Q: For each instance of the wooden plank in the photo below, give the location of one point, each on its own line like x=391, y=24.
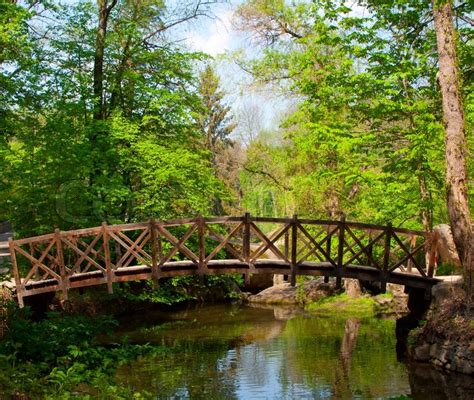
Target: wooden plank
x=317, y=245
x=175, y=242
x=43, y=255
x=294, y=249
x=155, y=269
x=229, y=245
x=273, y=220
x=433, y=253
x=108, y=262
x=136, y=246
x=34, y=260
x=408, y=255
x=386, y=258
x=128, y=227
x=261, y=249
x=16, y=274
x=364, y=249
x=179, y=245
x=223, y=243
x=34, y=239
x=246, y=238
x=214, y=220
x=62, y=268
x=178, y=222
x=263, y=237
x=340, y=253
x=124, y=245
x=201, y=246
x=82, y=232
x=85, y=253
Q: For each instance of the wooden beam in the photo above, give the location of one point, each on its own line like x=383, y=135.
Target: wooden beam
x=294, y=249
x=386, y=258
x=108, y=262
x=64, y=282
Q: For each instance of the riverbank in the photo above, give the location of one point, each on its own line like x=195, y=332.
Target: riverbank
x=318, y=296
x=445, y=337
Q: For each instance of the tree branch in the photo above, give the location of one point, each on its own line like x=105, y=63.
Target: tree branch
x=268, y=175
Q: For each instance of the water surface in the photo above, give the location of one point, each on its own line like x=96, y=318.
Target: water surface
x=243, y=352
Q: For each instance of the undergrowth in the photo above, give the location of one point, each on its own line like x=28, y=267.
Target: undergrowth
x=452, y=320
x=59, y=358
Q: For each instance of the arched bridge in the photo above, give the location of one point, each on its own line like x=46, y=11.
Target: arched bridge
x=250, y=245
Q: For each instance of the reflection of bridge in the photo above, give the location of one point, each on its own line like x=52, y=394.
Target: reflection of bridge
x=157, y=249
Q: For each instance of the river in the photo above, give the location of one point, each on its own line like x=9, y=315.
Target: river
x=244, y=352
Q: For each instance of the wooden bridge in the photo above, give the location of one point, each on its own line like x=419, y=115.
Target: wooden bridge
x=250, y=245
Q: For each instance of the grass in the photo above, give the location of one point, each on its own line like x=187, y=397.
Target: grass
x=342, y=304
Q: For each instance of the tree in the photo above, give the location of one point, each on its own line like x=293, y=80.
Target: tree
x=215, y=119
x=62, y=166
x=455, y=140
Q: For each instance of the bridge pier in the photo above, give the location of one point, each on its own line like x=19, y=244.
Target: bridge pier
x=419, y=301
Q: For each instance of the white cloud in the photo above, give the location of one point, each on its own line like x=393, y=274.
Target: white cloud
x=214, y=39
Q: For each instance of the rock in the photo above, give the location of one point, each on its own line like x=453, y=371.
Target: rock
x=284, y=293
x=259, y=282
x=9, y=284
x=278, y=294
x=352, y=288
x=446, y=247
x=448, y=355
x=317, y=289
x=422, y=353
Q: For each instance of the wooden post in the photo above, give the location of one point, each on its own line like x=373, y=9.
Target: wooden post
x=340, y=252
x=246, y=246
x=155, y=272
x=328, y=250
x=246, y=238
x=108, y=263
x=386, y=258
x=370, y=250
x=159, y=247
x=202, y=246
x=16, y=273
x=294, y=249
x=287, y=244
x=60, y=260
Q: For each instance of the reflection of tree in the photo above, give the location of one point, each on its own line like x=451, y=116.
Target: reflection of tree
x=427, y=382
x=342, y=389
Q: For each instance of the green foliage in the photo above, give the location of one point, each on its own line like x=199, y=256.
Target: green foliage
x=63, y=168
x=183, y=288
x=366, y=138
x=51, y=357
x=343, y=305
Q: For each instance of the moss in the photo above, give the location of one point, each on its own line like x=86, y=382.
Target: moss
x=344, y=305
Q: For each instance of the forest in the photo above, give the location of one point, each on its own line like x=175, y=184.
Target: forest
x=106, y=116
x=109, y=114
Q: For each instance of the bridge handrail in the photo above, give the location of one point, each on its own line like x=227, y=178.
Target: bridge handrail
x=354, y=243
x=185, y=221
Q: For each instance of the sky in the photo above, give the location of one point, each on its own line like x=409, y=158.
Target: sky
x=218, y=37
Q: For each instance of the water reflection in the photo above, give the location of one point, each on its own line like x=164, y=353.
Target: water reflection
x=266, y=353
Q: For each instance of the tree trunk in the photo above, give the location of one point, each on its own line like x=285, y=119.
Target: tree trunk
x=104, y=12
x=99, y=61
x=455, y=139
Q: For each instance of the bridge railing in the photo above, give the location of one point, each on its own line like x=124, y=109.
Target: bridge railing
x=246, y=244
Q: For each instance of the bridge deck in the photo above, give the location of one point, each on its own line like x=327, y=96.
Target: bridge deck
x=103, y=255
